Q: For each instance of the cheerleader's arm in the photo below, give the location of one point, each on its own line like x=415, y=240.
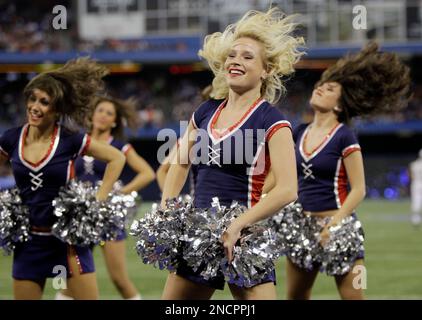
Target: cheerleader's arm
x=179, y=167
x=115, y=162
x=353, y=164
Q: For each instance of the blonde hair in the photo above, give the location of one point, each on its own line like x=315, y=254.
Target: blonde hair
x=273, y=30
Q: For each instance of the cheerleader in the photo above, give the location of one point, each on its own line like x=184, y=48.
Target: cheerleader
x=42, y=153
x=328, y=154
x=108, y=123
x=248, y=60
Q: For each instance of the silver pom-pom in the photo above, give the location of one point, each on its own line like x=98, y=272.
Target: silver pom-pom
x=159, y=233
x=253, y=255
x=344, y=247
x=298, y=236
x=82, y=220
x=204, y=228
x=130, y=202
x=126, y=204
x=253, y=258
x=14, y=220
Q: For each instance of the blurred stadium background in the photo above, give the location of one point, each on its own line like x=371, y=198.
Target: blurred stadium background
x=151, y=49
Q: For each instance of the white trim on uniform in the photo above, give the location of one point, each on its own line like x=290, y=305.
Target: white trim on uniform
x=126, y=148
x=46, y=160
x=193, y=121
x=336, y=176
x=228, y=134
x=69, y=171
x=276, y=124
x=84, y=142
x=322, y=146
x=2, y=151
x=352, y=146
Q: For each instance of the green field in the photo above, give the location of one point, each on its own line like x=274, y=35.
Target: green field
x=393, y=261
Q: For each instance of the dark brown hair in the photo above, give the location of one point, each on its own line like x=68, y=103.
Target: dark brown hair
x=126, y=115
x=72, y=88
x=372, y=82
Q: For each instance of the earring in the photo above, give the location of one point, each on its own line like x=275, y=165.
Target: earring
x=113, y=125
x=336, y=108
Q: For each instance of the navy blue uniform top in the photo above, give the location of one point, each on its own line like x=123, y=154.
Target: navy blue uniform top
x=90, y=169
x=39, y=183
x=233, y=165
x=322, y=177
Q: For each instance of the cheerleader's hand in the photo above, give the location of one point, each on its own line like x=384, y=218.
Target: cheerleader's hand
x=324, y=236
x=325, y=233
x=100, y=196
x=229, y=239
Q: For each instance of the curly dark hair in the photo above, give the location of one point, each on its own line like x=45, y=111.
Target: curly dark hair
x=373, y=82
x=72, y=88
x=126, y=115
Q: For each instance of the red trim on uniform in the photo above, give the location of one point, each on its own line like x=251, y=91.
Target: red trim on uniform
x=276, y=128
x=348, y=151
x=72, y=170
x=320, y=144
x=259, y=179
x=88, y=142
x=342, y=183
x=217, y=134
x=50, y=148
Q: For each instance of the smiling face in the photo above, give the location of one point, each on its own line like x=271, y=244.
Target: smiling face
x=39, y=109
x=104, y=116
x=326, y=96
x=244, y=65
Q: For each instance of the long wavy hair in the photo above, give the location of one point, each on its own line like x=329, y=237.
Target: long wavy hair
x=273, y=29
x=372, y=82
x=72, y=88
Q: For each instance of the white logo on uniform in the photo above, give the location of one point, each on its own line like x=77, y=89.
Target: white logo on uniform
x=88, y=165
x=36, y=181
x=214, y=156
x=307, y=171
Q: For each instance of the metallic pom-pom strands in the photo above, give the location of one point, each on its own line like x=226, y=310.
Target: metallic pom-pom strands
x=82, y=220
x=202, y=247
x=182, y=232
x=131, y=202
x=299, y=234
x=14, y=220
x=254, y=258
x=344, y=246
x=158, y=233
